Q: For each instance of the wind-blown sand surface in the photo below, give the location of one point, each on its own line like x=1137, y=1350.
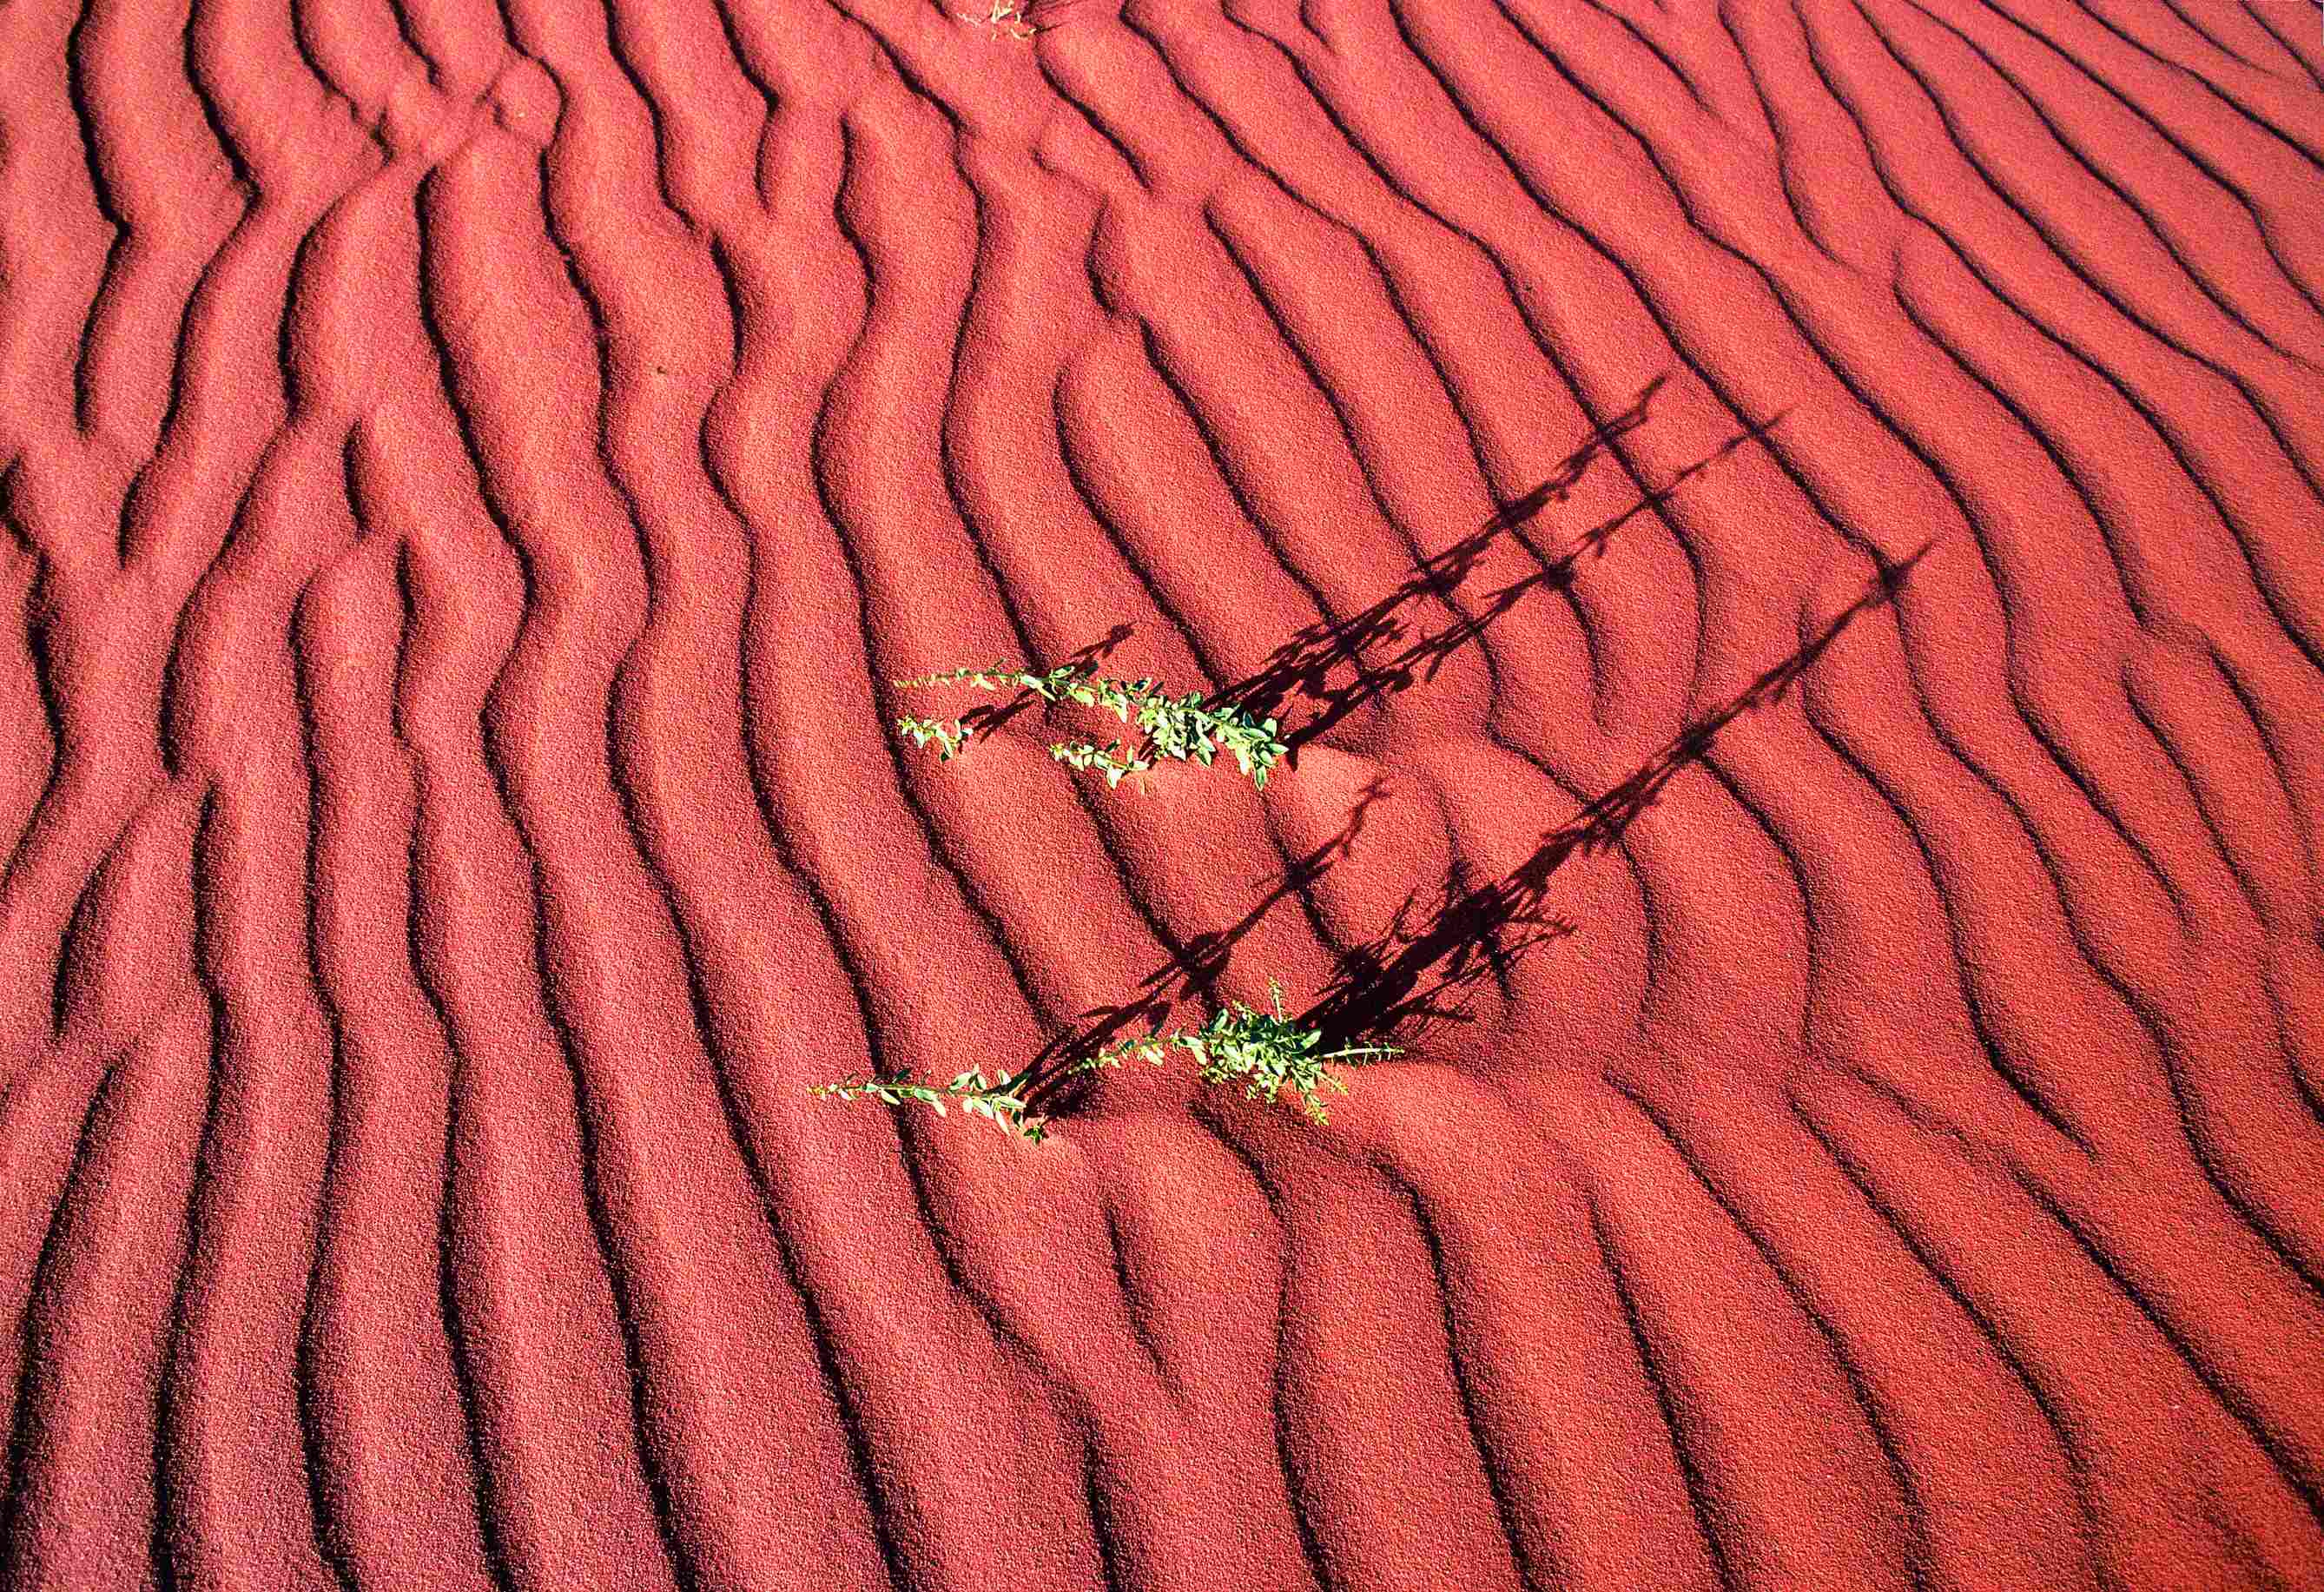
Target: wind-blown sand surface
x=1784, y=536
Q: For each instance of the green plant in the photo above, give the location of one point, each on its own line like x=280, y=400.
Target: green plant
x=1001, y=1100
x=1267, y=1053
x=1189, y=728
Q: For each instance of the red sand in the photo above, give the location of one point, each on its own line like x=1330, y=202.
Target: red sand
x=1843, y=843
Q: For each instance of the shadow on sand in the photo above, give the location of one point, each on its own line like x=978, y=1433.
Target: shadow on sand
x=1422, y=968
x=1304, y=668
x=1425, y=967
x=985, y=717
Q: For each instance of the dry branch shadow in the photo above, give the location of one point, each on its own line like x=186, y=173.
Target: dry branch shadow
x=1303, y=668
x=1045, y=14
x=987, y=716
x=1422, y=968
x=1194, y=971
x=1568, y=474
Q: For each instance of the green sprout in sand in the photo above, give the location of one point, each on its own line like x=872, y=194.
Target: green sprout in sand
x=1012, y=18
x=1265, y=1052
x=1189, y=728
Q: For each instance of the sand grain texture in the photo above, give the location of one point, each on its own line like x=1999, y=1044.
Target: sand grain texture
x=1788, y=539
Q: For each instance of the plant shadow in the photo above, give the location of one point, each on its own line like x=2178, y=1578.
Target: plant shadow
x=1303, y=669
x=1194, y=968
x=985, y=717
x=1424, y=967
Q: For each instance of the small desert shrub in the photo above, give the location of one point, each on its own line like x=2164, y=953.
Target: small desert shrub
x=1012, y=18
x=1003, y=1100
x=1188, y=728
x=1265, y=1052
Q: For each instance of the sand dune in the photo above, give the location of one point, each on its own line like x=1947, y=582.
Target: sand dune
x=1783, y=534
